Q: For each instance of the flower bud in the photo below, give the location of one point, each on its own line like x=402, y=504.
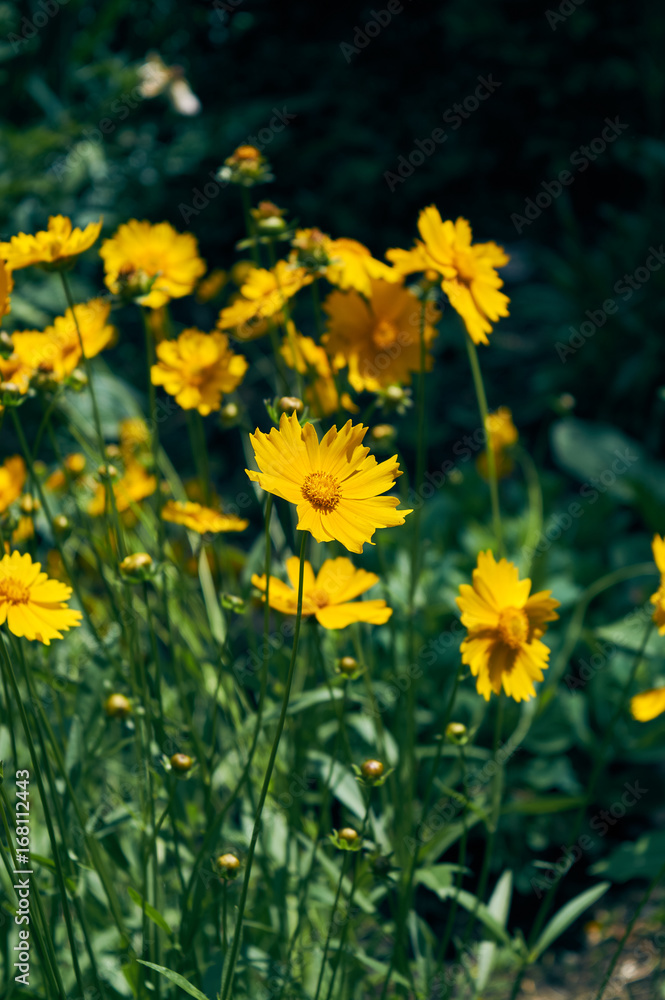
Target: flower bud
x=348, y=665
x=229, y=413
x=113, y=452
x=372, y=769
x=291, y=404
x=181, y=762
x=456, y=732
x=348, y=835
x=61, y=524
x=138, y=567
x=229, y=865
x=107, y=472
x=117, y=706
x=78, y=380
x=231, y=602
x=29, y=504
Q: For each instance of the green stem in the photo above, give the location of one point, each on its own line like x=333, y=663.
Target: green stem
x=491, y=457
x=629, y=929
x=266, y=783
x=326, y=946
x=427, y=801
x=154, y=430
x=547, y=902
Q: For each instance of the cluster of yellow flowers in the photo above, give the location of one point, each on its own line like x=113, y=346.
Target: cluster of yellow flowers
x=375, y=330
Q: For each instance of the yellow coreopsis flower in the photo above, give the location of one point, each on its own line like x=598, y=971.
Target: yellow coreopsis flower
x=203, y=520
x=18, y=370
x=263, y=296
x=505, y=625
x=502, y=434
x=151, y=264
x=34, y=606
x=658, y=599
x=321, y=395
x=335, y=483
x=379, y=339
x=52, y=248
x=135, y=485
x=197, y=369
x=57, y=349
x=467, y=270
x=353, y=267
x=12, y=480
x=648, y=705
x=6, y=285
x=74, y=465
x=329, y=595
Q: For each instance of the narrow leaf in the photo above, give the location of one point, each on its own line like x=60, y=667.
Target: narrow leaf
x=174, y=977
x=566, y=916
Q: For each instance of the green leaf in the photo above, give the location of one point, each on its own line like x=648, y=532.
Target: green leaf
x=498, y=907
x=151, y=912
x=539, y=805
x=174, y=977
x=566, y=916
x=470, y=903
x=438, y=876
x=215, y=616
x=636, y=859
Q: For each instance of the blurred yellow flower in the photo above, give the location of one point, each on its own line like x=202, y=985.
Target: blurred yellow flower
x=134, y=435
x=263, y=295
x=33, y=606
x=303, y=354
x=197, y=369
x=201, y=519
x=352, y=266
x=209, y=287
x=6, y=285
x=52, y=247
x=74, y=464
x=18, y=370
x=658, y=599
x=57, y=350
x=12, y=480
x=502, y=434
x=505, y=626
x=329, y=595
x=379, y=339
x=135, y=485
x=336, y=484
x=151, y=263
x=468, y=271
x=648, y=705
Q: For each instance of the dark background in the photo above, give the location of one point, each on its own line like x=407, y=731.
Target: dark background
x=356, y=114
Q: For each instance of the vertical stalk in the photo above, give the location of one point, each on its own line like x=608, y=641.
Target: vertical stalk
x=228, y=980
x=326, y=946
x=491, y=457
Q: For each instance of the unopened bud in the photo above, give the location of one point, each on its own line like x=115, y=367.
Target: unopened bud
x=107, y=472
x=348, y=834
x=181, y=762
x=29, y=504
x=372, y=769
x=348, y=665
x=291, y=404
x=456, y=732
x=229, y=865
x=117, y=706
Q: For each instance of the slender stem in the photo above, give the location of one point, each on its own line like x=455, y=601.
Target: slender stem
x=410, y=756
x=491, y=457
x=154, y=429
x=354, y=882
x=547, y=902
x=461, y=861
x=326, y=946
x=86, y=363
x=60, y=878
x=494, y=818
x=629, y=929
x=406, y=897
x=266, y=782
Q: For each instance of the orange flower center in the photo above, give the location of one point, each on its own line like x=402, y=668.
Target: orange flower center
x=465, y=264
x=384, y=333
x=14, y=591
x=319, y=597
x=321, y=491
x=513, y=627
